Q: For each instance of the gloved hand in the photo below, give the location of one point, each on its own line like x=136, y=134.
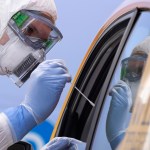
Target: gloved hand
x=46, y=84
x=64, y=143
x=119, y=113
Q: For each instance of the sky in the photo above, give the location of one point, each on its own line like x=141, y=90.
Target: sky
x=79, y=21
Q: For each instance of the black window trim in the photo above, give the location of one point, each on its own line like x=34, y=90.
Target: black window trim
x=132, y=15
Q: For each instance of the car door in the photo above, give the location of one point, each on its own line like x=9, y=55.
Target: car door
x=79, y=117
x=140, y=31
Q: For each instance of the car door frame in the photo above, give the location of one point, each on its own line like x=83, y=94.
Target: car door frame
x=100, y=103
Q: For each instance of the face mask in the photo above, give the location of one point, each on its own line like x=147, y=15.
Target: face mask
x=134, y=89
x=17, y=60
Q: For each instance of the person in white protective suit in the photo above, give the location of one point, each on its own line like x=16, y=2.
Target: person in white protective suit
x=124, y=93
x=27, y=33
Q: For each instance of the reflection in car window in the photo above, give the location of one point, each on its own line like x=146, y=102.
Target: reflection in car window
x=121, y=95
x=137, y=136
x=78, y=115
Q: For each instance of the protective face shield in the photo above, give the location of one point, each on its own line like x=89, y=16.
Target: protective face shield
x=29, y=37
x=131, y=72
x=132, y=67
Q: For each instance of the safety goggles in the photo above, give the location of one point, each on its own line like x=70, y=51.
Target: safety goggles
x=34, y=29
x=132, y=67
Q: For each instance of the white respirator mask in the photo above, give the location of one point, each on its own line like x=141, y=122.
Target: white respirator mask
x=28, y=38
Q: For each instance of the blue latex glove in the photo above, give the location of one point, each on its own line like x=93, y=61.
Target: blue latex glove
x=46, y=84
x=64, y=143
x=119, y=113
x=45, y=92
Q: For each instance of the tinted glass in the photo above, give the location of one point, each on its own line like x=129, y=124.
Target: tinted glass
x=121, y=95
x=78, y=115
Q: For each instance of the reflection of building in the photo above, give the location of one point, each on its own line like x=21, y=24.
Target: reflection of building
x=99, y=71
x=138, y=133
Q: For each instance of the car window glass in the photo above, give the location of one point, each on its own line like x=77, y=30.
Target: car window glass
x=78, y=115
x=137, y=135
x=120, y=96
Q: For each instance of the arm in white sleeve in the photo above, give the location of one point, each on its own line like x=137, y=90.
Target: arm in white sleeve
x=46, y=84
x=6, y=138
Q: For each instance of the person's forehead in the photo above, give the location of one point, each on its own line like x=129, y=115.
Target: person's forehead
x=48, y=16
